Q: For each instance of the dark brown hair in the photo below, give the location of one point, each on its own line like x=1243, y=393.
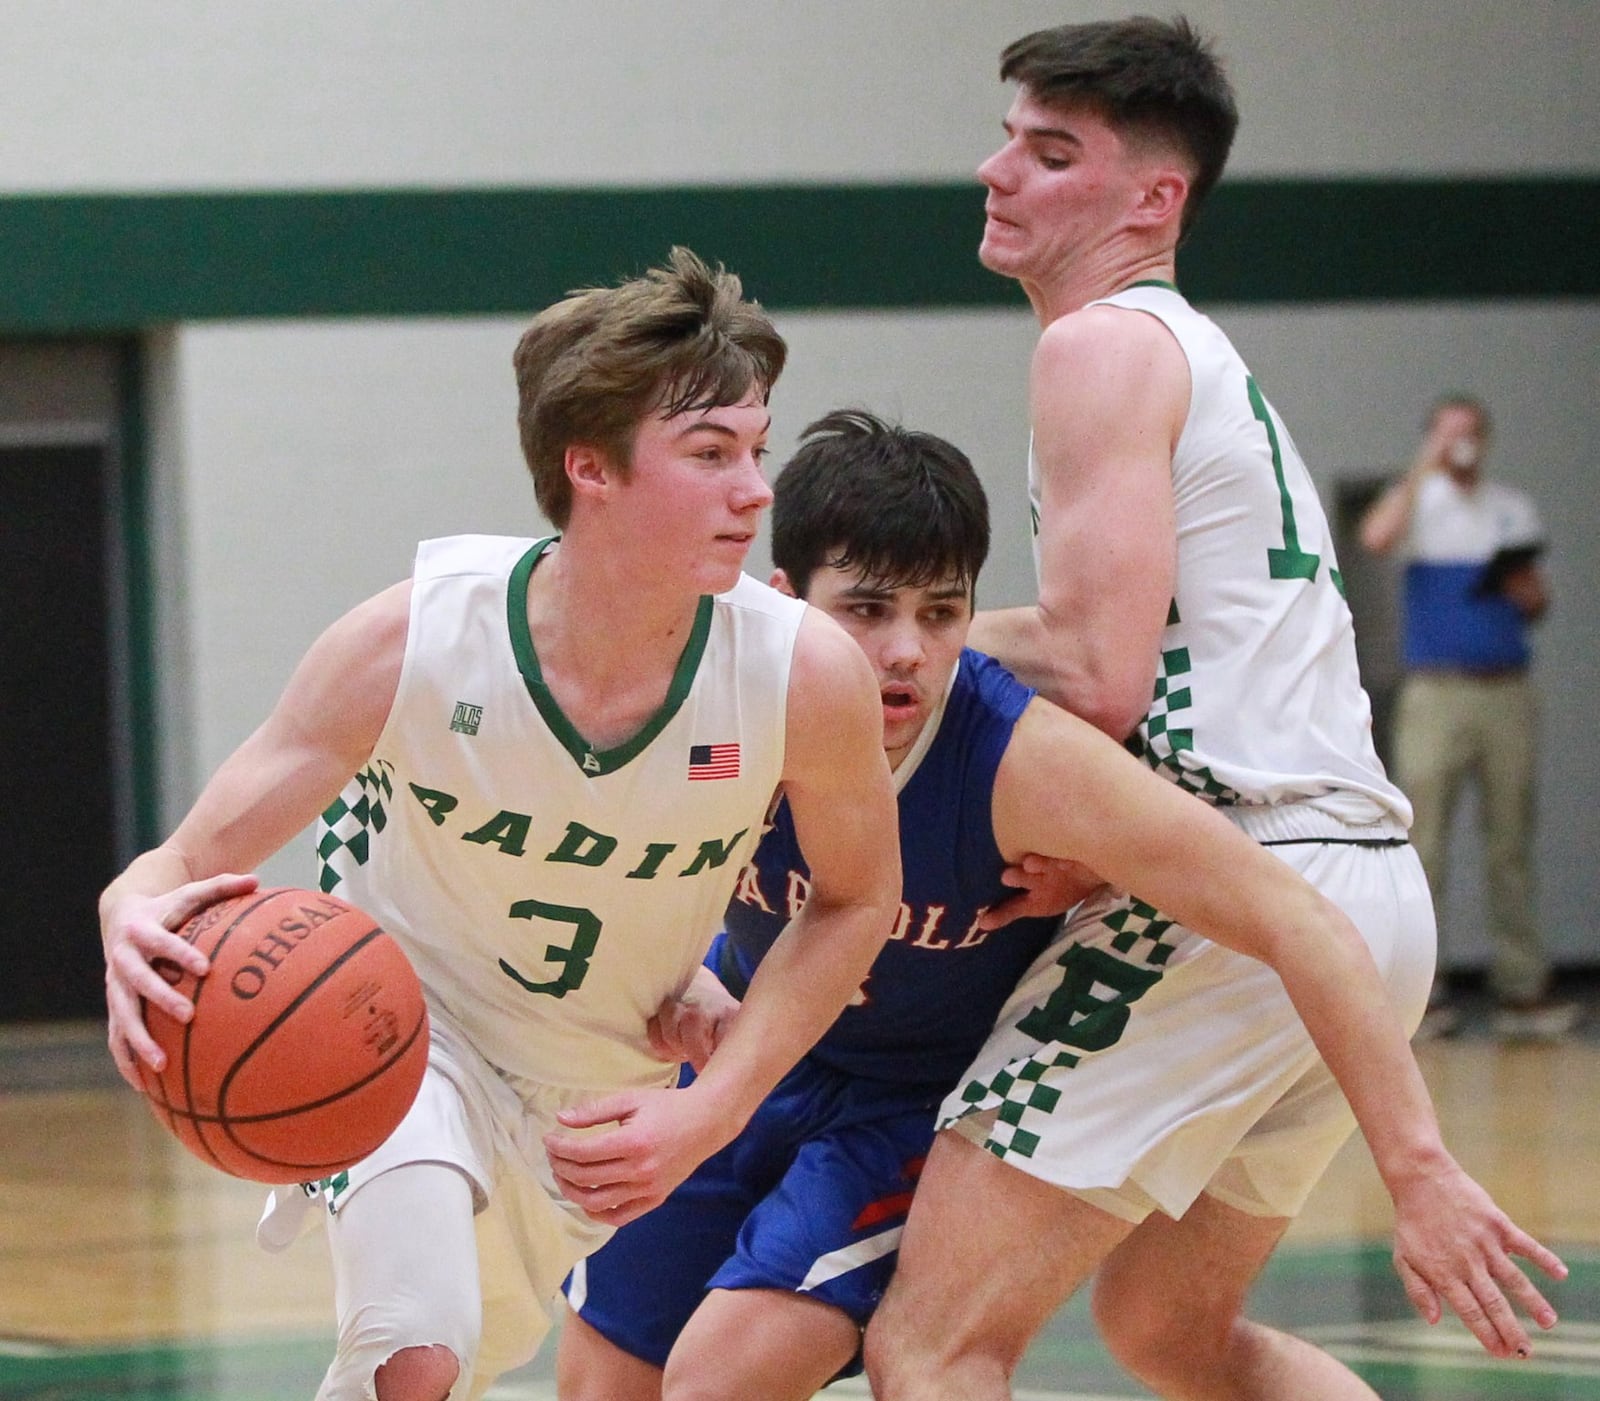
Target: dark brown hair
x=903, y=507
x=1145, y=76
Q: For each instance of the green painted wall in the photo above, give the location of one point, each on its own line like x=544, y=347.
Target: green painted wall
x=98, y=263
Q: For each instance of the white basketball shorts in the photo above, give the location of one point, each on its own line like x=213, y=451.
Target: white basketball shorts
x=1140, y=1064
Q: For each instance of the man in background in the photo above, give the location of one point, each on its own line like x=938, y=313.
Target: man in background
x=1473, y=589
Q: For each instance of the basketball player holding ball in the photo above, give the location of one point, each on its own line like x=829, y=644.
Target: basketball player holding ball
x=564, y=751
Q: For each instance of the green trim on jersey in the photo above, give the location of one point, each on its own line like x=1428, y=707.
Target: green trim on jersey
x=1165, y=745
x=592, y=761
x=1160, y=282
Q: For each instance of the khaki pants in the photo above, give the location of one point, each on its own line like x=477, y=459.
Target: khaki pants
x=1449, y=726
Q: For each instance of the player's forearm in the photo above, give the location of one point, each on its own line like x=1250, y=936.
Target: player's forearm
x=1088, y=671
x=1017, y=637
x=1336, y=988
x=151, y=873
x=1256, y=905
x=811, y=971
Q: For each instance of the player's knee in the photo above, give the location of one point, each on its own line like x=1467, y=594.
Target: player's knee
x=1131, y=1323
x=1128, y=1327
x=1145, y=1330
x=423, y=1373
x=887, y=1355
x=590, y=1367
x=385, y=1354
x=906, y=1363
x=685, y=1383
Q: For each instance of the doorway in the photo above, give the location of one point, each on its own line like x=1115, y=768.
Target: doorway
x=1371, y=590
x=66, y=658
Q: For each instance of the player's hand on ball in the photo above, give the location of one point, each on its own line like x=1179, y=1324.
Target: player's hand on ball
x=307, y=1043
x=138, y=935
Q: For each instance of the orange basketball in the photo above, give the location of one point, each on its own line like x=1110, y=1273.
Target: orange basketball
x=308, y=1041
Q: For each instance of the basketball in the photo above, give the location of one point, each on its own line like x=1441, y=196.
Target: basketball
x=308, y=1041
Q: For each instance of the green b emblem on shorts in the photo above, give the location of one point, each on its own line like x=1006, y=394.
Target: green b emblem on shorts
x=1087, y=1012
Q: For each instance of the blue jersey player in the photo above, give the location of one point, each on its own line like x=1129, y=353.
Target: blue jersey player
x=804, y=1209
x=756, y=1276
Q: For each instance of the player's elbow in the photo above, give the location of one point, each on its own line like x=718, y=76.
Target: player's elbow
x=866, y=893
x=1116, y=716
x=879, y=907
x=1302, y=917
x=882, y=907
x=1114, y=707
x=1110, y=714
x=1107, y=681
x=1375, y=538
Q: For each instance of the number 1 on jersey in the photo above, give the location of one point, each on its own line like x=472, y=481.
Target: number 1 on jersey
x=1291, y=562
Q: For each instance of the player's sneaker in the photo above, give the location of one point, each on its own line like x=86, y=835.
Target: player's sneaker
x=1541, y=1019
x=1443, y=1018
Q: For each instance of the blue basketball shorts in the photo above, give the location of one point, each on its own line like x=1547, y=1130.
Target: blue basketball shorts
x=811, y=1196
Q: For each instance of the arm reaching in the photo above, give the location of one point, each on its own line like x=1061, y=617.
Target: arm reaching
x=1045, y=885
x=1145, y=835
x=320, y=732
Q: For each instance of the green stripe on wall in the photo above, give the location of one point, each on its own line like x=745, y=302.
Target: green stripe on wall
x=97, y=263
x=1352, y=240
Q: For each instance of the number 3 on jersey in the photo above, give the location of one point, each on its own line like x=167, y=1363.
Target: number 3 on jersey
x=574, y=961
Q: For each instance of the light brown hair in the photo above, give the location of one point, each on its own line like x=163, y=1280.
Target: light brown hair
x=594, y=365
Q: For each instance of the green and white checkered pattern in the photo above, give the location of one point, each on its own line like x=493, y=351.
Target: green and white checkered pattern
x=1141, y=931
x=346, y=828
x=1163, y=738
x=1085, y=1012
x=1017, y=1089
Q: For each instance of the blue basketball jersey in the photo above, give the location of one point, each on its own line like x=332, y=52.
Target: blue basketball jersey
x=813, y=1193
x=934, y=991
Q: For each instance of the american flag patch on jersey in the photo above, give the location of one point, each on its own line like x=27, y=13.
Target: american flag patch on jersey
x=713, y=761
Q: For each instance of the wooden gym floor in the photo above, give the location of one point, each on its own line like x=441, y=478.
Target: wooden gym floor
x=128, y=1270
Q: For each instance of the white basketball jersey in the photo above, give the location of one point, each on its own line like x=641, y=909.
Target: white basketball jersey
x=551, y=895
x=1258, y=698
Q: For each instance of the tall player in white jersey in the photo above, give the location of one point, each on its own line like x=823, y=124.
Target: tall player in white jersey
x=573, y=744
x=1152, y=1108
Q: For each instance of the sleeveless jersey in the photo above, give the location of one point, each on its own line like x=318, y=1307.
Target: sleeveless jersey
x=549, y=895
x=933, y=993
x=1258, y=698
